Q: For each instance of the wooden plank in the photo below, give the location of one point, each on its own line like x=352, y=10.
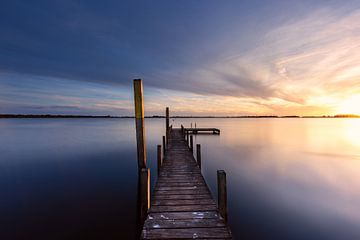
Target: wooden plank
x=182, y=192
x=173, y=202
x=184, y=215
x=177, y=188
x=185, y=223
x=180, y=184
x=183, y=208
x=187, y=233
x=175, y=196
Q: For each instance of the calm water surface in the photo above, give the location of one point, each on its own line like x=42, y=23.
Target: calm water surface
x=77, y=178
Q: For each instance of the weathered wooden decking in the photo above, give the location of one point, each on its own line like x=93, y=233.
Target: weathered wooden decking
x=181, y=205
x=202, y=130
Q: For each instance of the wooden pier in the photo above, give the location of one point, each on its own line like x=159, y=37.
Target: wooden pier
x=181, y=205
x=202, y=130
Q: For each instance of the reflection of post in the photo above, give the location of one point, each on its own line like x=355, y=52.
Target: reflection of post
x=222, y=194
x=140, y=125
x=144, y=193
x=167, y=125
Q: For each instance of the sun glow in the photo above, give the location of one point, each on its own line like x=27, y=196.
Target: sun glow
x=352, y=131
x=350, y=106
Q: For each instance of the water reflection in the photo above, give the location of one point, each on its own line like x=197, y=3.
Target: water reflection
x=288, y=178
x=77, y=178
x=69, y=178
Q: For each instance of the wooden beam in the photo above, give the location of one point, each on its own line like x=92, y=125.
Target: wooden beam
x=159, y=162
x=140, y=123
x=167, y=125
x=191, y=144
x=164, y=145
x=222, y=194
x=198, y=155
x=144, y=193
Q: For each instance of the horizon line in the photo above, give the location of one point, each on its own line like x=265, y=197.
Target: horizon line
x=175, y=116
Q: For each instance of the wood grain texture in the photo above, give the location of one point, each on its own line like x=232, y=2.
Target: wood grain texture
x=182, y=206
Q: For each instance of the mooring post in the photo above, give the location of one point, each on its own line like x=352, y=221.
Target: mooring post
x=187, y=138
x=167, y=125
x=191, y=144
x=164, y=145
x=198, y=155
x=144, y=192
x=140, y=124
x=159, y=162
x=222, y=194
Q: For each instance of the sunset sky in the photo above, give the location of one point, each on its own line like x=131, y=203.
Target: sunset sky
x=198, y=57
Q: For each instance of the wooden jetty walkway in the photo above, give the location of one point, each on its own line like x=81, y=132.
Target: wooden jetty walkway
x=202, y=130
x=181, y=205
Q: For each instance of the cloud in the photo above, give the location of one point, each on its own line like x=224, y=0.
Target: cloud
x=304, y=64
x=297, y=62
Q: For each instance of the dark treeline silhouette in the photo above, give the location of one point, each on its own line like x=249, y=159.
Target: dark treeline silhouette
x=50, y=116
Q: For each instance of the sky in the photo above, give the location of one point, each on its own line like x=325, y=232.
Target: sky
x=198, y=57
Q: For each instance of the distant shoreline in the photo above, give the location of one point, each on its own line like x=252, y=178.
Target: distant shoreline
x=156, y=116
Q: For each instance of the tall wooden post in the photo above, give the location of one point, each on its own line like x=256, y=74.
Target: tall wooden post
x=191, y=144
x=144, y=193
x=222, y=194
x=164, y=145
x=140, y=124
x=159, y=162
x=198, y=155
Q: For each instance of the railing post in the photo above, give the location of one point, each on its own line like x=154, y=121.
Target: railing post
x=167, y=125
x=222, y=194
x=198, y=155
x=159, y=162
x=144, y=193
x=187, y=138
x=140, y=124
x=191, y=144
x=164, y=145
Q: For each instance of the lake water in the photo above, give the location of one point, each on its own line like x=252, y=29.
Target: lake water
x=77, y=178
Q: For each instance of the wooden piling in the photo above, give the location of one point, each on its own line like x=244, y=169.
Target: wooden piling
x=198, y=155
x=144, y=192
x=159, y=162
x=164, y=144
x=191, y=144
x=187, y=138
x=140, y=123
x=167, y=124
x=222, y=194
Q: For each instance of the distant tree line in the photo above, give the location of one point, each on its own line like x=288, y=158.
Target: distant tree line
x=159, y=116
